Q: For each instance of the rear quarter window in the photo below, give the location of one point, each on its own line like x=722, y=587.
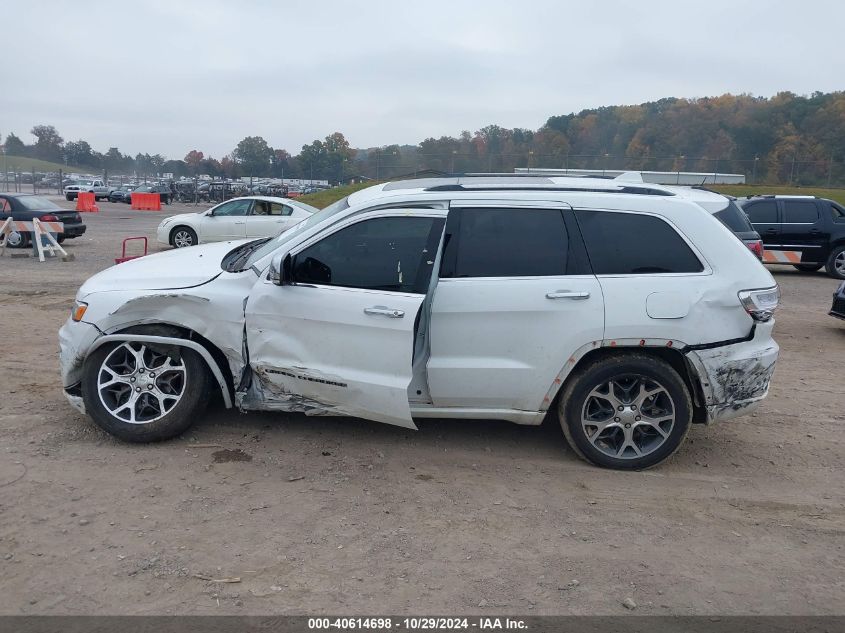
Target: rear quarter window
x=734, y=218
x=634, y=244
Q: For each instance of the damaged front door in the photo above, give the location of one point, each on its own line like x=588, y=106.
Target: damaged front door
x=338, y=336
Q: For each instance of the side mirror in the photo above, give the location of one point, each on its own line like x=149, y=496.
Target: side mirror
x=281, y=271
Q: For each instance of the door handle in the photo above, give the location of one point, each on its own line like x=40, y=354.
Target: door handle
x=384, y=311
x=771, y=231
x=567, y=294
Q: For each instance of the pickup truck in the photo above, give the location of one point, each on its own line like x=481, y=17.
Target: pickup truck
x=95, y=186
x=803, y=231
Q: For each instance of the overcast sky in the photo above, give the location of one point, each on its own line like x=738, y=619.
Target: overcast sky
x=168, y=76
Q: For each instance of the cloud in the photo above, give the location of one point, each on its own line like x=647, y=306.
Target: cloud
x=163, y=76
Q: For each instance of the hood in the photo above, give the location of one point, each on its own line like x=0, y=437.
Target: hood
x=181, y=217
x=178, y=268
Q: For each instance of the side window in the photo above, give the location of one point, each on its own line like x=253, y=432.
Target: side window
x=507, y=242
x=4, y=206
x=260, y=207
x=763, y=212
x=394, y=254
x=800, y=212
x=634, y=244
x=277, y=208
x=837, y=212
x=235, y=207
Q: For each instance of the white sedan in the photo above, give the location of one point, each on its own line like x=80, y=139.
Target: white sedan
x=248, y=217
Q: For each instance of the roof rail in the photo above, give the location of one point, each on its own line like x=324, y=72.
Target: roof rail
x=644, y=191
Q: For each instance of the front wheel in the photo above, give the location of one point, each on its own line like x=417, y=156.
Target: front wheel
x=628, y=412
x=144, y=393
x=836, y=263
x=68, y=197
x=182, y=237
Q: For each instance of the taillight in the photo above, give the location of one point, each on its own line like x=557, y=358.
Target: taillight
x=760, y=304
x=48, y=218
x=756, y=247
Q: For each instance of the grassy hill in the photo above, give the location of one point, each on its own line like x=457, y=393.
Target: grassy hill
x=23, y=164
x=322, y=199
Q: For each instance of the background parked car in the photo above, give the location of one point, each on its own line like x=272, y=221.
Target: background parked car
x=95, y=186
x=838, y=308
x=23, y=206
x=162, y=190
x=250, y=217
x=122, y=194
x=803, y=231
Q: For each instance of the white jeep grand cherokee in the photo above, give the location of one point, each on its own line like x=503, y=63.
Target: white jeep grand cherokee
x=626, y=310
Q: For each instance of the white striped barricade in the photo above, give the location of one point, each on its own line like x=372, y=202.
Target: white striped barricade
x=41, y=232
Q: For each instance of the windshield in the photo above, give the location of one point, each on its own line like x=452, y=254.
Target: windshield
x=84, y=183
x=34, y=203
x=286, y=236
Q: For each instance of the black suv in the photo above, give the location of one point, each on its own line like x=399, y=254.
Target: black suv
x=804, y=231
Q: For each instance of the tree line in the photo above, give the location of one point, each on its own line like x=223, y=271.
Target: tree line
x=785, y=138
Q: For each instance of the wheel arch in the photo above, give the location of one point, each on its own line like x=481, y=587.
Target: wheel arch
x=213, y=357
x=666, y=350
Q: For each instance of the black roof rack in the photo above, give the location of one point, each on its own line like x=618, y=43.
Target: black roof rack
x=644, y=191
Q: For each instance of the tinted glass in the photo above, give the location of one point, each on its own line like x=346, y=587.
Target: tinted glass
x=734, y=218
x=394, y=254
x=630, y=243
x=37, y=203
x=800, y=212
x=235, y=207
x=763, y=212
x=510, y=243
x=837, y=212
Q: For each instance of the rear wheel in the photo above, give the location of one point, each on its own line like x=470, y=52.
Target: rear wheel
x=627, y=412
x=183, y=236
x=17, y=240
x=836, y=263
x=144, y=393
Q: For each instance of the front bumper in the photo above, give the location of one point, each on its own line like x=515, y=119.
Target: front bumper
x=735, y=378
x=75, y=339
x=838, y=308
x=163, y=234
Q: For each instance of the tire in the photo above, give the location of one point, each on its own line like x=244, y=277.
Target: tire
x=182, y=391
x=60, y=238
x=183, y=236
x=835, y=265
x=808, y=268
x=17, y=240
x=68, y=197
x=626, y=443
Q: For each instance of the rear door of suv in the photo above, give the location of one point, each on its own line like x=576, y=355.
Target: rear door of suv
x=766, y=219
x=804, y=233
x=515, y=299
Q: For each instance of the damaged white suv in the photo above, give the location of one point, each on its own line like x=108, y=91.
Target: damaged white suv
x=625, y=309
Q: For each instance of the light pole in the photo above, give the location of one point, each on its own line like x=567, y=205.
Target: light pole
x=530, y=155
x=754, y=176
x=452, y=170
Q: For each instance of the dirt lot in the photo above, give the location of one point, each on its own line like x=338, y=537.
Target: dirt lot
x=346, y=516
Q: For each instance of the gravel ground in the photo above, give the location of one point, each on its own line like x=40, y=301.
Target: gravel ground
x=277, y=513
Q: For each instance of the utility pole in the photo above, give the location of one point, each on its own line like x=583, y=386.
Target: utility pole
x=754, y=176
x=829, y=170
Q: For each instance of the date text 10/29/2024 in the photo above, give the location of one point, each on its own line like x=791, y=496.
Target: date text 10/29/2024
x=417, y=624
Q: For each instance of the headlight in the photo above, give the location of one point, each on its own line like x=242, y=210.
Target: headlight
x=79, y=308
x=165, y=221
x=760, y=304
